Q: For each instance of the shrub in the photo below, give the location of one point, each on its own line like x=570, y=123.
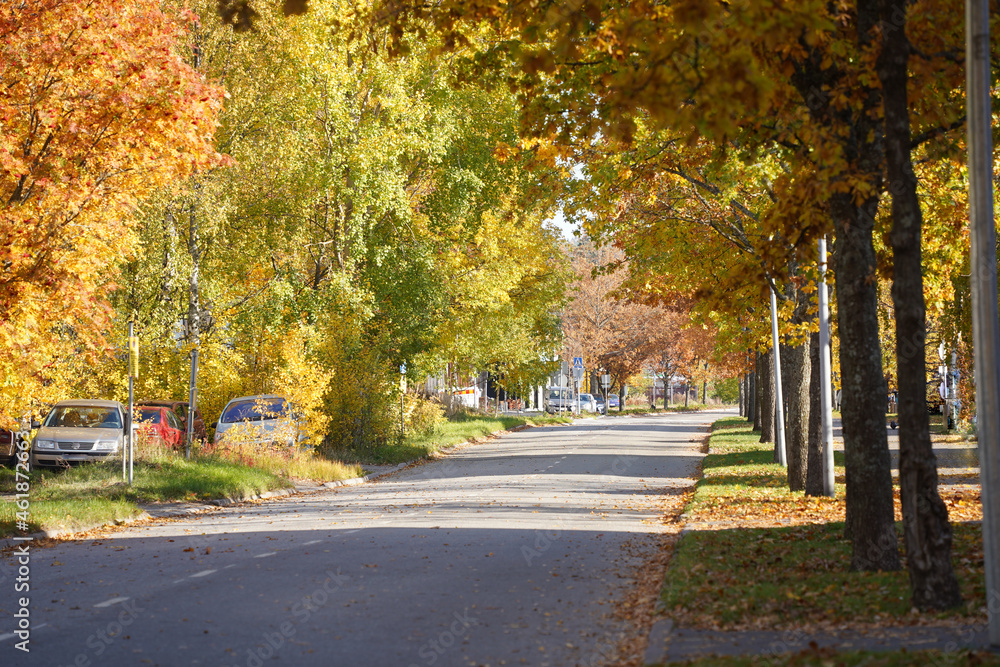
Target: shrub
x=423, y=416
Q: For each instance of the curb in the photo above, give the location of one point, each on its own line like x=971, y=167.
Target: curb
x=9, y=542
x=55, y=533
x=280, y=493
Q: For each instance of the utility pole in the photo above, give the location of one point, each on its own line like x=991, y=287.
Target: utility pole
x=133, y=373
x=192, y=397
x=825, y=381
x=779, y=407
x=985, y=328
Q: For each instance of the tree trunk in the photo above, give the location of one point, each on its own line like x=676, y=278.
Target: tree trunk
x=756, y=398
x=869, y=524
x=766, y=406
x=926, y=531
x=742, y=387
x=814, y=467
x=797, y=370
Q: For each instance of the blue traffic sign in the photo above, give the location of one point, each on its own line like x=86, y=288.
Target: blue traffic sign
x=577, y=362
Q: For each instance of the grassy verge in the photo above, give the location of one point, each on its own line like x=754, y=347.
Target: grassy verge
x=458, y=429
x=659, y=409
x=760, y=556
x=90, y=494
x=828, y=658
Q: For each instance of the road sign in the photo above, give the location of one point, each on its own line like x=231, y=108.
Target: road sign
x=133, y=356
x=605, y=380
x=578, y=363
x=578, y=373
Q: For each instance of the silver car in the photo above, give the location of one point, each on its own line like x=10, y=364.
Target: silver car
x=258, y=420
x=588, y=403
x=79, y=431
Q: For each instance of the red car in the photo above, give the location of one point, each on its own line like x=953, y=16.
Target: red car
x=161, y=423
x=180, y=409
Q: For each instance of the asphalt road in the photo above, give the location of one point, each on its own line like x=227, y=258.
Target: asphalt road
x=509, y=552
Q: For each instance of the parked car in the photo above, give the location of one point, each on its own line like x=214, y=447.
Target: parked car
x=8, y=448
x=180, y=409
x=79, y=431
x=160, y=423
x=265, y=419
x=560, y=399
x=602, y=406
x=613, y=400
x=588, y=403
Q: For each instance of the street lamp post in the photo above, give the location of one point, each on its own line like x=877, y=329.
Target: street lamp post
x=779, y=407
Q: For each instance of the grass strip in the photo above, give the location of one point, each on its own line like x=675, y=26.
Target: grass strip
x=828, y=658
x=760, y=556
x=462, y=427
x=94, y=493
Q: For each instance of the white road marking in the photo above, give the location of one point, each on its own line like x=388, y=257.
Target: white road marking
x=269, y=553
x=108, y=603
x=312, y=542
x=203, y=573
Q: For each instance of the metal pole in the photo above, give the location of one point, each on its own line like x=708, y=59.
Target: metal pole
x=779, y=407
x=985, y=331
x=131, y=402
x=192, y=397
x=825, y=382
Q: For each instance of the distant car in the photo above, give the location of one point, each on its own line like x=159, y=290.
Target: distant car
x=180, y=409
x=613, y=400
x=265, y=419
x=560, y=399
x=588, y=403
x=8, y=448
x=79, y=431
x=160, y=423
x=602, y=406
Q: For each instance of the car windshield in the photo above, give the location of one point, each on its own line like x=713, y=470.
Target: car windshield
x=148, y=415
x=82, y=416
x=255, y=410
x=555, y=393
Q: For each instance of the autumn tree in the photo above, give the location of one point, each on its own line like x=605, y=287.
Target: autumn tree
x=90, y=129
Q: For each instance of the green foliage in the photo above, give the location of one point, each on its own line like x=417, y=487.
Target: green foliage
x=422, y=416
x=727, y=391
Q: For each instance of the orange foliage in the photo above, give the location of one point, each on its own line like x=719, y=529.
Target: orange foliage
x=98, y=109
